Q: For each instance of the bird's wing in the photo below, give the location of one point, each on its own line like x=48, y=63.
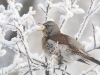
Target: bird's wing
x=74, y=45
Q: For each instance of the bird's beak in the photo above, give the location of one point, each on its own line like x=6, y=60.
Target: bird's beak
x=42, y=26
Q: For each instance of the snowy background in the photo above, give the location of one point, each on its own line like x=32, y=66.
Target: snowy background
x=71, y=28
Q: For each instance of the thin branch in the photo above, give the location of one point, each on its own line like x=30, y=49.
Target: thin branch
x=65, y=20
x=46, y=71
x=62, y=24
x=12, y=66
x=94, y=35
x=91, y=6
x=85, y=21
x=24, y=46
x=67, y=11
x=5, y=42
x=31, y=70
x=88, y=70
x=47, y=68
x=18, y=30
x=63, y=71
x=73, y=2
x=46, y=13
x=27, y=57
x=18, y=48
x=42, y=10
x=93, y=49
x=65, y=68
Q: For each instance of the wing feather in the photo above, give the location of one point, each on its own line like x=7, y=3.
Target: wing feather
x=74, y=45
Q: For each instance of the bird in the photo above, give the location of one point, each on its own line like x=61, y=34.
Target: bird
x=62, y=49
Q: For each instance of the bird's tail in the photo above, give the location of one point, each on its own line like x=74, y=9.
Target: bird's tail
x=94, y=60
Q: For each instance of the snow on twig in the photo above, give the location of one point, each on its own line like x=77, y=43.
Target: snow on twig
x=10, y=19
x=94, y=35
x=91, y=11
x=88, y=70
x=10, y=68
x=93, y=42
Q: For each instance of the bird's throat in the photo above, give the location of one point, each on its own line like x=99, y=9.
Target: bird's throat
x=44, y=41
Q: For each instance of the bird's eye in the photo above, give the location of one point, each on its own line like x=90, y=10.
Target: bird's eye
x=47, y=26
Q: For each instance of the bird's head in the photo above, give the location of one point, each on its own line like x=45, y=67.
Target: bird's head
x=50, y=28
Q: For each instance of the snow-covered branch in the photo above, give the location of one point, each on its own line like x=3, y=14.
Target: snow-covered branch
x=90, y=44
x=12, y=67
x=91, y=11
x=65, y=7
x=89, y=70
x=10, y=19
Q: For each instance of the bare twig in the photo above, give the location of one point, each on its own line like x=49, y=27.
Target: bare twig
x=94, y=35
x=35, y=68
x=65, y=20
x=47, y=68
x=46, y=72
x=18, y=47
x=63, y=71
x=14, y=48
x=93, y=49
x=62, y=24
x=91, y=6
x=20, y=32
x=46, y=19
x=27, y=57
x=89, y=70
x=42, y=10
x=85, y=21
x=73, y=2
x=65, y=67
x=46, y=13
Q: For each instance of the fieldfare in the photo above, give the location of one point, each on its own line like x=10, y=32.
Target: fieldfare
x=61, y=48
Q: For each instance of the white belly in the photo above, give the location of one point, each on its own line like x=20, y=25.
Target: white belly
x=59, y=53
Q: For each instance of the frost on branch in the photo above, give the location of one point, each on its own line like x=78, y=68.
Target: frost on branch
x=90, y=44
x=89, y=70
x=10, y=19
x=67, y=7
x=91, y=11
x=23, y=25
x=12, y=67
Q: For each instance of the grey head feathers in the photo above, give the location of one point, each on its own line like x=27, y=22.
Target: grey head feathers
x=51, y=28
